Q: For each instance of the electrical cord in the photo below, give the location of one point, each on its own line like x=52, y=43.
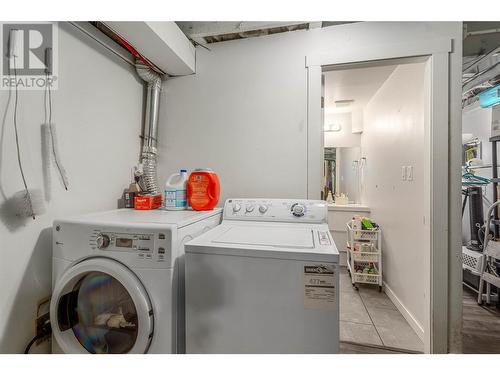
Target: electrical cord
x=28, y=196
x=33, y=340
x=45, y=331
x=47, y=85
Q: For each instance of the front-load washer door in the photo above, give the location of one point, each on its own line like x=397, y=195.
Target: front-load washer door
x=99, y=306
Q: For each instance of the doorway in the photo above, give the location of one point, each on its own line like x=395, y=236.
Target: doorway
x=374, y=139
x=481, y=322
x=442, y=298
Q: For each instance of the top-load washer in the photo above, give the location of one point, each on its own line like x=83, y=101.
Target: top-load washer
x=118, y=280
x=264, y=281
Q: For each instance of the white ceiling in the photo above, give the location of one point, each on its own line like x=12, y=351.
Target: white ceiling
x=359, y=84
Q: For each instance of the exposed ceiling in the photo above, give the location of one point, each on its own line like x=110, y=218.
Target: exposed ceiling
x=358, y=84
x=481, y=59
x=481, y=42
x=201, y=32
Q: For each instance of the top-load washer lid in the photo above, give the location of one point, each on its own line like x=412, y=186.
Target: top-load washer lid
x=284, y=237
x=268, y=240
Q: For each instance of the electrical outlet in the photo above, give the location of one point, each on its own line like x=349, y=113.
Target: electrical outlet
x=409, y=173
x=40, y=322
x=403, y=173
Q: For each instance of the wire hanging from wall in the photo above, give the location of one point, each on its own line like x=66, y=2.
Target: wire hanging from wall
x=48, y=127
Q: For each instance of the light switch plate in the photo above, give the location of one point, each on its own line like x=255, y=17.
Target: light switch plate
x=403, y=173
x=409, y=173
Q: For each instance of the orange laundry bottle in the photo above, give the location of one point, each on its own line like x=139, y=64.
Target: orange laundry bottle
x=203, y=189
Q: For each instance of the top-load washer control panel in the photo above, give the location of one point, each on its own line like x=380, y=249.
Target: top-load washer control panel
x=280, y=210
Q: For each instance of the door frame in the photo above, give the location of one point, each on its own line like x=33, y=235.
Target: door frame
x=437, y=160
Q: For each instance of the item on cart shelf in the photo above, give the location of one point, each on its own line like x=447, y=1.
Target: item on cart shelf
x=147, y=202
x=203, y=189
x=371, y=268
x=367, y=224
x=363, y=247
x=175, y=191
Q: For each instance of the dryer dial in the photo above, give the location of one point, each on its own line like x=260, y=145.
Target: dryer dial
x=102, y=241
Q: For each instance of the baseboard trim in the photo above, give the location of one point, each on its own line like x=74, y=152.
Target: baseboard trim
x=414, y=324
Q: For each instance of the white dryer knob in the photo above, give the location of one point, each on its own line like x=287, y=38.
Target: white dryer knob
x=236, y=207
x=102, y=241
x=262, y=208
x=298, y=209
x=250, y=207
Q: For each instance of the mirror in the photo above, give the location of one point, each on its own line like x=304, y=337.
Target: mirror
x=342, y=169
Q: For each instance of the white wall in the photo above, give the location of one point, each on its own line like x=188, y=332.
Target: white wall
x=345, y=137
x=393, y=136
x=244, y=112
x=98, y=114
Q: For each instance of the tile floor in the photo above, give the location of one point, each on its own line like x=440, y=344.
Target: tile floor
x=369, y=317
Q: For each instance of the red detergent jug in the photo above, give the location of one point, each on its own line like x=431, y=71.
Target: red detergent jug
x=203, y=189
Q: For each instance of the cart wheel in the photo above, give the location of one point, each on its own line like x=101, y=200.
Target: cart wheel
x=355, y=286
x=380, y=288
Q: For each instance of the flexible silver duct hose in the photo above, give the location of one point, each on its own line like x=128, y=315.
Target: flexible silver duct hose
x=150, y=136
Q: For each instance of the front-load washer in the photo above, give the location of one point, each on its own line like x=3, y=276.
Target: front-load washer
x=264, y=281
x=118, y=280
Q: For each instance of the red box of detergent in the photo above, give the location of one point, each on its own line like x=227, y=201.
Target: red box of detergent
x=147, y=202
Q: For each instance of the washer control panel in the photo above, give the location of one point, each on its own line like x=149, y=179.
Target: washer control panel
x=146, y=246
x=285, y=210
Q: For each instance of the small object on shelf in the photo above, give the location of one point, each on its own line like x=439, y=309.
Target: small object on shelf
x=128, y=198
x=342, y=199
x=130, y=193
x=329, y=198
x=147, y=202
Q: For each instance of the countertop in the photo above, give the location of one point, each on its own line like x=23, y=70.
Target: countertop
x=351, y=207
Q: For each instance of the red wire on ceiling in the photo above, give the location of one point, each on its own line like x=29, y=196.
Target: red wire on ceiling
x=134, y=52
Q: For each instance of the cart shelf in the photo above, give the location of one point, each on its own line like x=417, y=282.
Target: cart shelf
x=364, y=248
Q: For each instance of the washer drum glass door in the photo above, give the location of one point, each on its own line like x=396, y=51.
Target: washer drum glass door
x=99, y=306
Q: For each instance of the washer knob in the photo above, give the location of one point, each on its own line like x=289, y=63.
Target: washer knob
x=298, y=210
x=262, y=208
x=236, y=207
x=102, y=241
x=250, y=207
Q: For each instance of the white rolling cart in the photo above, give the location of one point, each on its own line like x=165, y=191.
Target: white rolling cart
x=364, y=252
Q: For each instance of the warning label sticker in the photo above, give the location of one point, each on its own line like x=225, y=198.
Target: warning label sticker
x=319, y=287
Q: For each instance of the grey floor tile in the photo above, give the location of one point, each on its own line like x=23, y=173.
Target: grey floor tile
x=345, y=284
x=345, y=281
x=372, y=298
x=395, y=330
x=352, y=309
x=359, y=333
